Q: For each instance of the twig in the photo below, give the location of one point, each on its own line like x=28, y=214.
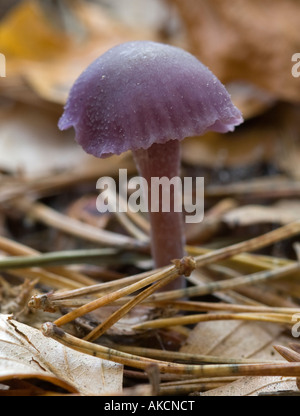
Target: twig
x=258, y=261
x=288, y=353
x=69, y=278
x=278, y=188
x=177, y=356
x=192, y=319
x=46, y=277
x=101, y=256
x=206, y=370
x=49, y=185
x=55, y=299
x=226, y=284
x=68, y=298
x=110, y=297
x=255, y=243
x=220, y=306
x=185, y=389
x=191, y=385
x=52, y=218
x=185, y=267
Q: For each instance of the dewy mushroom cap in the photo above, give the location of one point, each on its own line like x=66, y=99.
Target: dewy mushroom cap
x=142, y=92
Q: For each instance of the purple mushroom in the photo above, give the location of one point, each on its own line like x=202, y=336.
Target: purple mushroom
x=146, y=97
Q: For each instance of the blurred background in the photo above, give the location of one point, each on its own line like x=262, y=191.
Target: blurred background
x=252, y=184
x=248, y=44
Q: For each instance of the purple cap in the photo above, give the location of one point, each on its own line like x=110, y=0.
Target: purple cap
x=142, y=92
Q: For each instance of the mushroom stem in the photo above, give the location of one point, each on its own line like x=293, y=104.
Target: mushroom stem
x=167, y=228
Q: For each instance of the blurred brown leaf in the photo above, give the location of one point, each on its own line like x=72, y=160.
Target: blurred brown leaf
x=253, y=386
x=26, y=33
x=49, y=58
x=31, y=143
x=233, y=339
x=273, y=139
x=246, y=40
x=240, y=148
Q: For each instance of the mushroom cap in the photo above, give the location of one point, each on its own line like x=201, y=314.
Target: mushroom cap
x=143, y=92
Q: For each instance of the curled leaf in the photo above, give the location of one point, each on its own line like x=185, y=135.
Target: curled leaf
x=26, y=353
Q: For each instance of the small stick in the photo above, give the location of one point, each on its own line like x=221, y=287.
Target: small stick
x=110, y=297
x=52, y=218
x=103, y=256
x=48, y=278
x=277, y=188
x=205, y=370
x=17, y=249
x=49, y=185
x=291, y=355
x=258, y=261
x=188, y=380
x=227, y=284
x=193, y=319
x=254, y=243
x=220, y=306
x=185, y=267
x=186, y=357
x=66, y=297
x=153, y=374
x=185, y=390
x=59, y=299
x=288, y=353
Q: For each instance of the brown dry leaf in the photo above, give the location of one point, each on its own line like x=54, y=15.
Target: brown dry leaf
x=26, y=353
x=235, y=150
x=31, y=143
x=251, y=100
x=253, y=386
x=25, y=33
x=51, y=59
x=233, y=339
x=282, y=212
x=273, y=139
x=248, y=40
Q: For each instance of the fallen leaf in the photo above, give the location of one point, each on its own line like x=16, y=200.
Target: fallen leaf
x=250, y=99
x=26, y=353
x=253, y=386
x=49, y=58
x=31, y=143
x=233, y=339
x=248, y=40
x=239, y=149
x=25, y=32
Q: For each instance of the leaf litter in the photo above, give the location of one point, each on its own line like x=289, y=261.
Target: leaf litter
x=25, y=353
x=76, y=307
